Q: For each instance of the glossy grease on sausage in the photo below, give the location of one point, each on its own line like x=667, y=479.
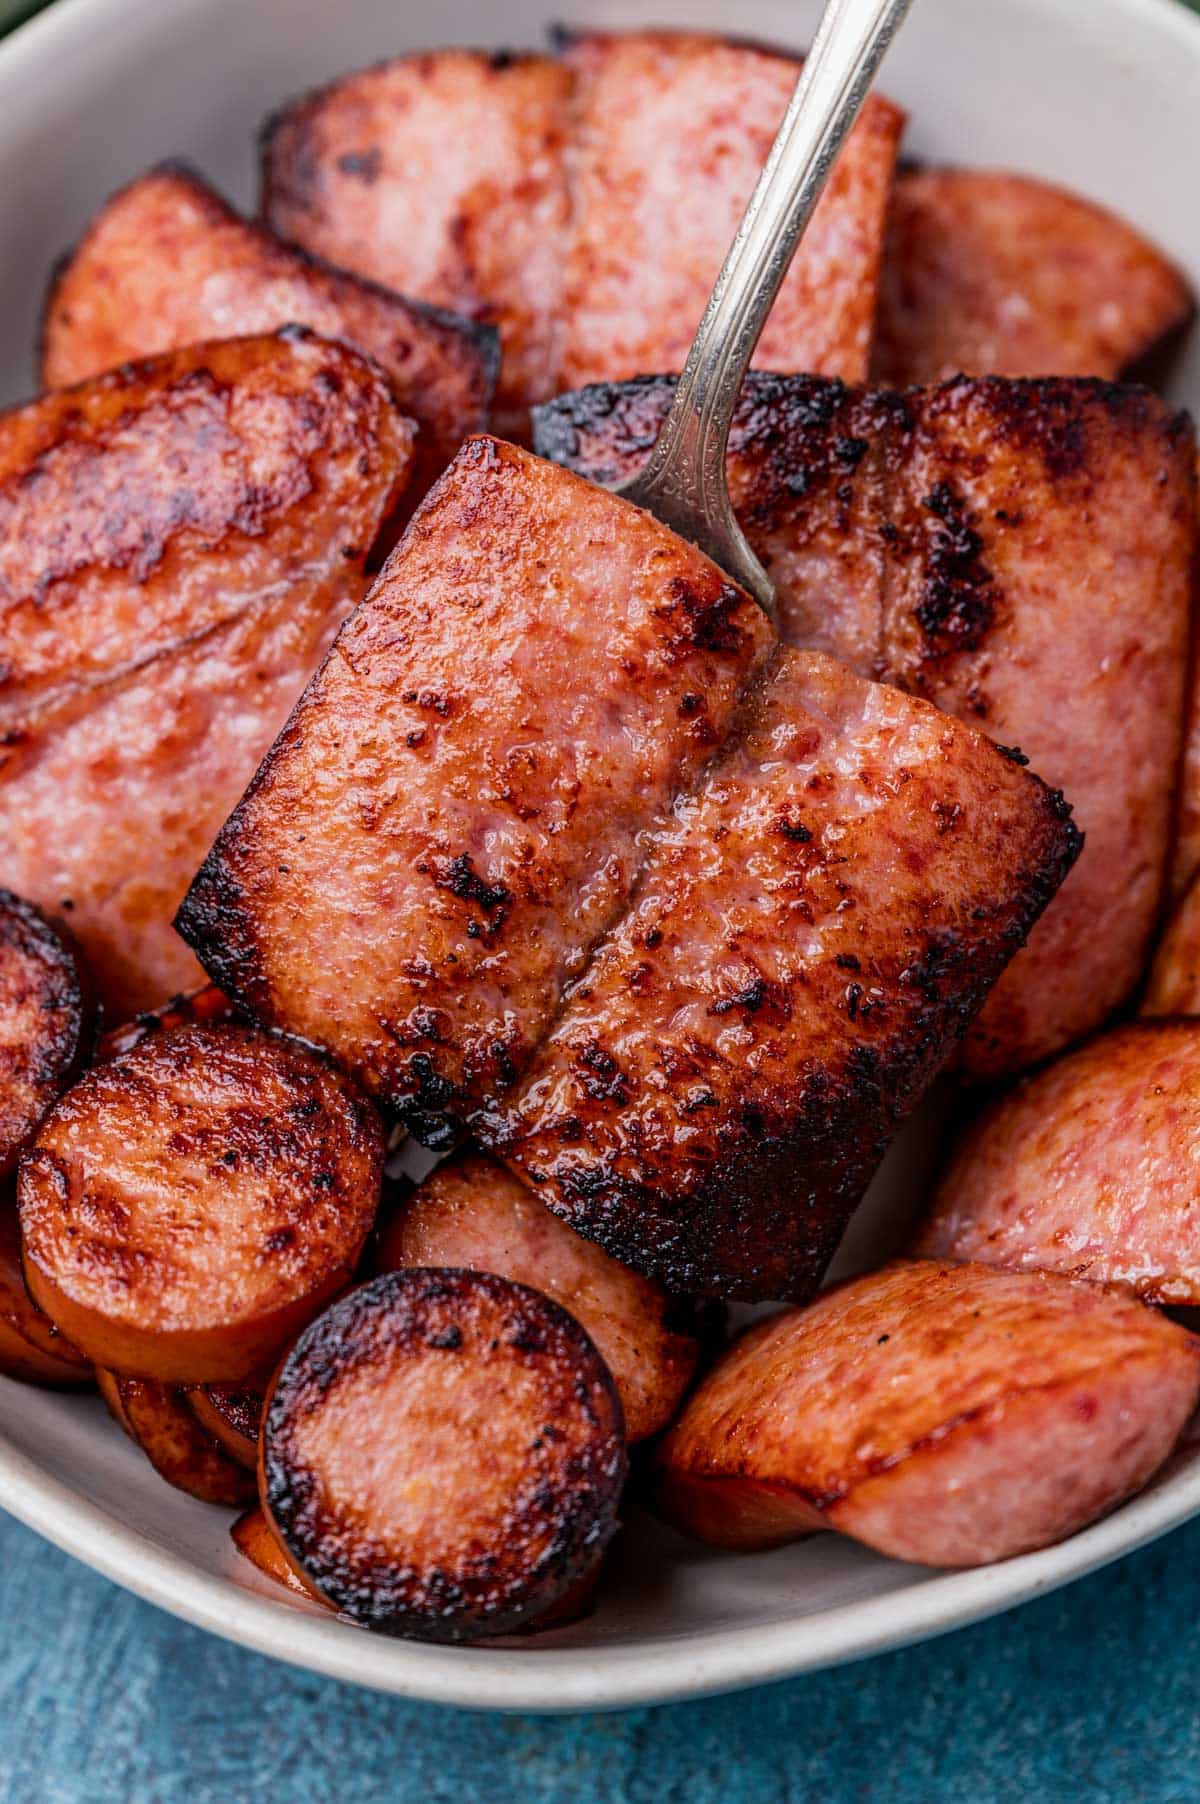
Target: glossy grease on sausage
x=951, y=1415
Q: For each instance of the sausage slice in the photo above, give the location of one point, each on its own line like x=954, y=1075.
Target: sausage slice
x=456, y=809
x=441, y=175
x=166, y=262
x=157, y=1417
x=671, y=132
x=179, y=541
x=46, y=1021
x=955, y=541
x=1089, y=1168
x=232, y=1415
x=443, y=1454
x=474, y=1214
x=31, y=1347
x=189, y=1206
x=950, y=1415
x=990, y=273
x=813, y=932
x=1173, y=986
x=256, y=1540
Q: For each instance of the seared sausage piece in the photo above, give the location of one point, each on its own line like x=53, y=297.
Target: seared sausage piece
x=206, y=1007
x=157, y=1417
x=441, y=175
x=455, y=811
x=1018, y=552
x=166, y=262
x=188, y=1207
x=443, y=1454
x=31, y=1347
x=1088, y=1168
x=990, y=273
x=671, y=133
x=473, y=1213
x=1173, y=986
x=232, y=1415
x=46, y=1020
x=257, y=1542
x=813, y=932
x=178, y=543
x=951, y=1415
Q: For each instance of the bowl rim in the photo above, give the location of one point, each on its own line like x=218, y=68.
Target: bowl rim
x=550, y=1678
x=605, y=1676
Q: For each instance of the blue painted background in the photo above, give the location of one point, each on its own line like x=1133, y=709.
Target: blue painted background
x=1091, y=1696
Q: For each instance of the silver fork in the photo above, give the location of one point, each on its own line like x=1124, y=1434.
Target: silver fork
x=684, y=481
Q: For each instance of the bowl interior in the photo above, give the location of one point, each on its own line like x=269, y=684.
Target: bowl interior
x=1104, y=98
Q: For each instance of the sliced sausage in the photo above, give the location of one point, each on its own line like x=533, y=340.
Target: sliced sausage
x=232, y=1415
x=206, y=1007
x=456, y=808
x=179, y=541
x=474, y=1214
x=671, y=132
x=950, y=1415
x=188, y=1207
x=813, y=932
x=157, y=1417
x=443, y=1454
x=256, y=1540
x=31, y=1347
x=990, y=273
x=1019, y=553
x=1173, y=986
x=166, y=262
x=1087, y=1168
x=46, y=1020
x=441, y=175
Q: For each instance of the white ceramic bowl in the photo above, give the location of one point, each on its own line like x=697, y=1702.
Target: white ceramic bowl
x=1103, y=95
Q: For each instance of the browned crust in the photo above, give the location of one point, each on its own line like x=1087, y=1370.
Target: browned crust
x=563, y=1486
x=276, y=1164
x=685, y=1112
x=157, y=1417
x=31, y=1347
x=232, y=1416
x=442, y=367
x=48, y=1020
x=206, y=1007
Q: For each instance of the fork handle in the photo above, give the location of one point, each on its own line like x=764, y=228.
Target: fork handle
x=683, y=481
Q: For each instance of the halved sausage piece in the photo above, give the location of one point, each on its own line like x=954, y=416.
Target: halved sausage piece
x=441, y=175
x=232, y=1414
x=815, y=928
x=189, y=1206
x=950, y=1415
x=990, y=273
x=473, y=1213
x=1019, y=553
x=31, y=1347
x=179, y=542
x=46, y=1021
x=166, y=262
x=671, y=130
x=443, y=1454
x=457, y=807
x=157, y=1417
x=1087, y=1168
